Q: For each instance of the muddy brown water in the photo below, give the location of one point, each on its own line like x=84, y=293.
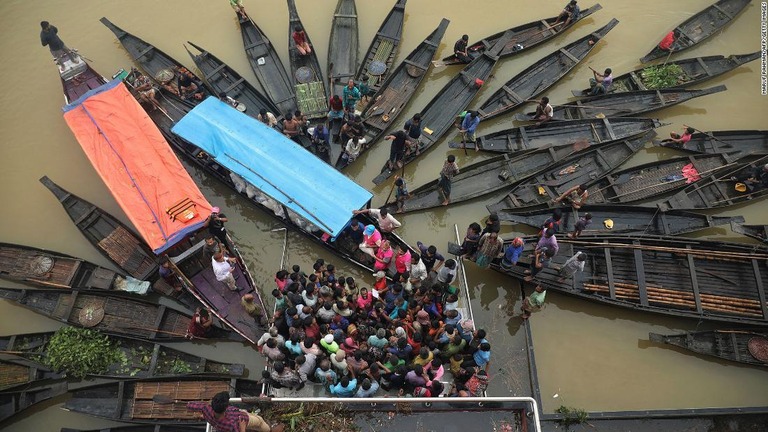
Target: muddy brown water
x=589, y=356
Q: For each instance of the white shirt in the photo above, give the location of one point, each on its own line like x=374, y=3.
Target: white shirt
x=354, y=150
x=419, y=271
x=388, y=224
x=221, y=269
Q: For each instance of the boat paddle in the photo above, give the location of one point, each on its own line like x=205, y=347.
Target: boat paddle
x=391, y=189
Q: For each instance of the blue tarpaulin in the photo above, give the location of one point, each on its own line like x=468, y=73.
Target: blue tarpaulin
x=274, y=164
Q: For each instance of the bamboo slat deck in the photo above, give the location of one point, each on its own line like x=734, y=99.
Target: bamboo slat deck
x=311, y=93
x=731, y=344
x=383, y=48
x=181, y=392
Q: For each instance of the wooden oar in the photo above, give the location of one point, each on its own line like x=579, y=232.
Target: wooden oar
x=22, y=353
x=162, y=331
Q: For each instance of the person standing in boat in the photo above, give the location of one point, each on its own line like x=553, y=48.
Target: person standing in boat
x=490, y=247
x=237, y=5
x=300, y=39
x=397, y=149
x=460, y=49
x=600, y=83
x=292, y=128
x=574, y=265
x=544, y=112
x=223, y=269
x=468, y=127
x=199, y=325
x=449, y=170
x=576, y=196
x=351, y=95
x=226, y=418
x=215, y=224
x=401, y=193
x=49, y=37
x=387, y=223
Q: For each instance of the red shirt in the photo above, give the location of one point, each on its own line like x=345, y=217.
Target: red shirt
x=299, y=37
x=336, y=103
x=667, y=42
x=196, y=326
x=227, y=423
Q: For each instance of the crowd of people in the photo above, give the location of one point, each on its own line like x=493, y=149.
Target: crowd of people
x=400, y=336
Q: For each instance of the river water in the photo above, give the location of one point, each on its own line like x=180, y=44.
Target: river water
x=589, y=356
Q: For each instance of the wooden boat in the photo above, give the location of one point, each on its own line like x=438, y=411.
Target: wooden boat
x=718, y=189
x=397, y=90
x=695, y=70
x=109, y=314
x=143, y=428
x=652, y=180
x=700, y=279
x=20, y=372
x=485, y=177
x=306, y=74
x=142, y=359
x=626, y=220
x=525, y=37
x=157, y=64
x=757, y=232
x=440, y=113
x=699, y=27
x=623, y=104
x=341, y=247
x=132, y=401
x=268, y=67
x=584, y=132
x=736, y=143
x=14, y=402
x=583, y=167
x=111, y=237
x=742, y=346
x=377, y=62
x=78, y=78
x=541, y=75
x=343, y=46
x=223, y=79
x=49, y=269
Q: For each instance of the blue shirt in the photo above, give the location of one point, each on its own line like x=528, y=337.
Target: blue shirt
x=470, y=124
x=295, y=349
x=350, y=96
x=320, y=136
x=368, y=393
x=512, y=254
x=342, y=391
x=356, y=236
x=482, y=358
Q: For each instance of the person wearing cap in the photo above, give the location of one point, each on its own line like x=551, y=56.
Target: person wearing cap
x=447, y=172
x=371, y=240
x=577, y=196
x=387, y=223
x=215, y=224
x=601, y=82
x=381, y=281
x=266, y=117
x=512, y=253
x=573, y=265
x=329, y=344
x=49, y=36
x=250, y=306
x=583, y=223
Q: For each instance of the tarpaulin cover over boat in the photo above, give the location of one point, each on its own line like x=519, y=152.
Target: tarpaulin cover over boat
x=274, y=164
x=137, y=165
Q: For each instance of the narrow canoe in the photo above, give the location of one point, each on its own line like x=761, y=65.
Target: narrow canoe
x=152, y=60
x=21, y=372
x=583, y=167
x=343, y=46
x=628, y=104
x=143, y=428
x=395, y=93
x=584, y=132
x=441, y=112
x=717, y=190
x=700, y=279
x=111, y=237
x=223, y=79
x=306, y=74
x=110, y=314
x=654, y=179
x=736, y=143
x=78, y=78
x=626, y=220
x=694, y=71
x=525, y=37
x=700, y=26
x=742, y=346
x=142, y=359
x=381, y=53
x=176, y=110
x=541, y=75
x=482, y=178
x=49, y=269
x=132, y=401
x=268, y=67
x=757, y=232
x=13, y=402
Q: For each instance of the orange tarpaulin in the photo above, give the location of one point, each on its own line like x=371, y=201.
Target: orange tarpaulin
x=137, y=165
